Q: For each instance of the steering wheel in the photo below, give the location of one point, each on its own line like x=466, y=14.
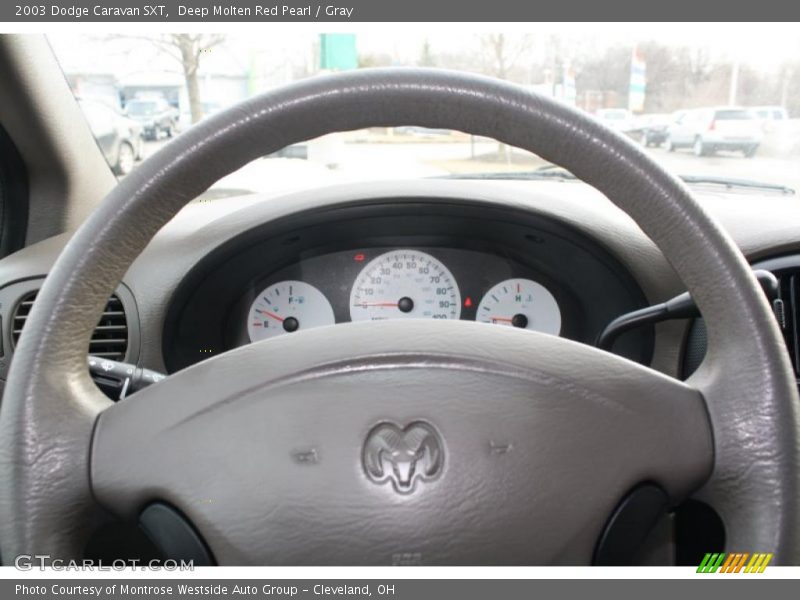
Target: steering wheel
x=447, y=442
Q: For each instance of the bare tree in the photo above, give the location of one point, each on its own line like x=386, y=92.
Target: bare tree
x=379, y=59
x=501, y=54
x=188, y=50
x=426, y=58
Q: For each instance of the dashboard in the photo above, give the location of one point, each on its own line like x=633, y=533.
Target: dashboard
x=192, y=293
x=379, y=260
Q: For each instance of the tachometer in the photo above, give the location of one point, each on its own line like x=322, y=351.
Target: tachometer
x=405, y=284
x=286, y=307
x=521, y=303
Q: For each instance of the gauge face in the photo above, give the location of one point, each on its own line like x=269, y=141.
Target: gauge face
x=404, y=284
x=521, y=303
x=286, y=307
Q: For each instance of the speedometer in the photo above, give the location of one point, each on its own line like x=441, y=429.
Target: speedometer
x=521, y=303
x=405, y=284
x=286, y=307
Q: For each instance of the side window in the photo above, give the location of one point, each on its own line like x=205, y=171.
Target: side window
x=13, y=197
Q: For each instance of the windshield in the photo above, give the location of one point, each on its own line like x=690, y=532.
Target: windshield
x=724, y=109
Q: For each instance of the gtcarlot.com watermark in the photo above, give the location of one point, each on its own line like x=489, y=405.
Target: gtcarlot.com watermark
x=30, y=562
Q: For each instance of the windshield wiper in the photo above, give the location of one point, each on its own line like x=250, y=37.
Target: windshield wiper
x=554, y=172
x=737, y=183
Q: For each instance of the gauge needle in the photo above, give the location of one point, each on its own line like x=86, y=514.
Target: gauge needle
x=503, y=319
x=269, y=314
x=376, y=304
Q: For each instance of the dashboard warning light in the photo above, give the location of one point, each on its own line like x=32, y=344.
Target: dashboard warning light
x=359, y=257
x=467, y=302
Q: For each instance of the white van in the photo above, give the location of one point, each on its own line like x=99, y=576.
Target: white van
x=706, y=130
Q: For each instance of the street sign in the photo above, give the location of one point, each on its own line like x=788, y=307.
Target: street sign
x=338, y=51
x=636, y=92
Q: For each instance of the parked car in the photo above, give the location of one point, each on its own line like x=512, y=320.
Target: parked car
x=298, y=151
x=619, y=119
x=155, y=115
x=652, y=129
x=706, y=130
x=119, y=137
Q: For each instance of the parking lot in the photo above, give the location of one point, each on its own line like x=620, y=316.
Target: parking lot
x=360, y=160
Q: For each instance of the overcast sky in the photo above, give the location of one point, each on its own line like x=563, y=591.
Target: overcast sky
x=762, y=45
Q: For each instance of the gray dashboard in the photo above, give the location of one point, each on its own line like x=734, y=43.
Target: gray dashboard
x=188, y=251
x=472, y=247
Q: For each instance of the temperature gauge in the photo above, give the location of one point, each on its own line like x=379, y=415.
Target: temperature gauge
x=521, y=303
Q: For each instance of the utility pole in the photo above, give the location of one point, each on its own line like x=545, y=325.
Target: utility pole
x=734, y=82
x=787, y=73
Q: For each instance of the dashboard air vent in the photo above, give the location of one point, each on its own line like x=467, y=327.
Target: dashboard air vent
x=110, y=338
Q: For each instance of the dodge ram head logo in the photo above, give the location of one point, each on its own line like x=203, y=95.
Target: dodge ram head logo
x=403, y=456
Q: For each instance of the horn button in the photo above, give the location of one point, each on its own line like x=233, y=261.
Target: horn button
x=490, y=448
x=403, y=456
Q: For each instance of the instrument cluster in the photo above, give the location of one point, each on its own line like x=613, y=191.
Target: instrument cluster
x=400, y=283
x=412, y=259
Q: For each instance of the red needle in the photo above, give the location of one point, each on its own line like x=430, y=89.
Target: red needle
x=376, y=304
x=502, y=319
x=269, y=314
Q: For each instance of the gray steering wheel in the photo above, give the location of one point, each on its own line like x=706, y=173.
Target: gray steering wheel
x=363, y=442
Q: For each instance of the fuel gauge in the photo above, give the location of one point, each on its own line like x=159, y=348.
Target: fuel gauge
x=286, y=307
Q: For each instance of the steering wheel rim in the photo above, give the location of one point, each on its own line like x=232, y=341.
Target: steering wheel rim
x=51, y=407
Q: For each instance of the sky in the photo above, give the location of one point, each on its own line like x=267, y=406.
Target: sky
x=760, y=45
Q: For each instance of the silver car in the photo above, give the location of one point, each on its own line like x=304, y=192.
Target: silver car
x=119, y=137
x=706, y=130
